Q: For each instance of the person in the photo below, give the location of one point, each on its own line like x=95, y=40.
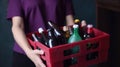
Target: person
x=29, y=15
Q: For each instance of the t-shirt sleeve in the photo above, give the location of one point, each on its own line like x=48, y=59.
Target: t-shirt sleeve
x=14, y=9
x=69, y=7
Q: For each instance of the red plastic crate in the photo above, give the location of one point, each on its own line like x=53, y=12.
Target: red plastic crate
x=54, y=57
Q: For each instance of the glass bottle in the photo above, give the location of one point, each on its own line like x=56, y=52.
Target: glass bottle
x=34, y=37
x=37, y=39
x=66, y=32
x=57, y=32
x=40, y=30
x=75, y=36
x=51, y=38
x=83, y=28
x=90, y=32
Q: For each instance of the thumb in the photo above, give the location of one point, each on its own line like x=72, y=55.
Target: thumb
x=41, y=52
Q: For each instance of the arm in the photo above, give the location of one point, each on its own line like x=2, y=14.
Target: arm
x=20, y=37
x=69, y=12
x=18, y=33
x=69, y=20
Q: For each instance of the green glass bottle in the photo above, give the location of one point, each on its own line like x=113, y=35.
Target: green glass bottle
x=75, y=37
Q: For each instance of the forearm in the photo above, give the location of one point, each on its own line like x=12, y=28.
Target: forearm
x=20, y=38
x=19, y=34
x=69, y=20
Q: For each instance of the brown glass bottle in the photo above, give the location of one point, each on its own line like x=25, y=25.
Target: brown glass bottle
x=67, y=32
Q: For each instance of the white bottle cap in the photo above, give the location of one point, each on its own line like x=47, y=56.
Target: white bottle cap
x=65, y=28
x=89, y=25
x=40, y=30
x=83, y=23
x=75, y=26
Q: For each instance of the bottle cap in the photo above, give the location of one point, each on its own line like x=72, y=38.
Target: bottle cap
x=65, y=28
x=77, y=21
x=75, y=26
x=83, y=23
x=40, y=30
x=89, y=25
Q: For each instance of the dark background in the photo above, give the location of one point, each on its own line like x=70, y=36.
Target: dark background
x=84, y=9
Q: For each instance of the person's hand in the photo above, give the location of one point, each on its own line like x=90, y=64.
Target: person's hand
x=34, y=55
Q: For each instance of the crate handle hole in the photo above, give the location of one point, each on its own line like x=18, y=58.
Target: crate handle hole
x=70, y=61
x=92, y=45
x=71, y=51
x=92, y=56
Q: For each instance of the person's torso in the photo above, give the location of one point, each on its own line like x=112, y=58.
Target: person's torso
x=38, y=12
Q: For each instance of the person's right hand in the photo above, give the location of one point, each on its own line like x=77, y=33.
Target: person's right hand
x=34, y=55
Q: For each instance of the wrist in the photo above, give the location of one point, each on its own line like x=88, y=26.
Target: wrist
x=28, y=50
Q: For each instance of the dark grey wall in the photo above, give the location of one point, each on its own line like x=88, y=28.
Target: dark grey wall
x=84, y=9
x=6, y=39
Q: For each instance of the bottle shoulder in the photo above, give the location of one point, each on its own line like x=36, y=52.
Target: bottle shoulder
x=74, y=38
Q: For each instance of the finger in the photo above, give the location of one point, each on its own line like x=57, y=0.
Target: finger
x=41, y=52
x=40, y=63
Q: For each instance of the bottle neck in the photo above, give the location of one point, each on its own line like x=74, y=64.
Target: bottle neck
x=52, y=25
x=50, y=32
x=34, y=37
x=75, y=30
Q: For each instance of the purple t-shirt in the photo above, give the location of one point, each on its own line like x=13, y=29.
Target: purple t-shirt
x=36, y=13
